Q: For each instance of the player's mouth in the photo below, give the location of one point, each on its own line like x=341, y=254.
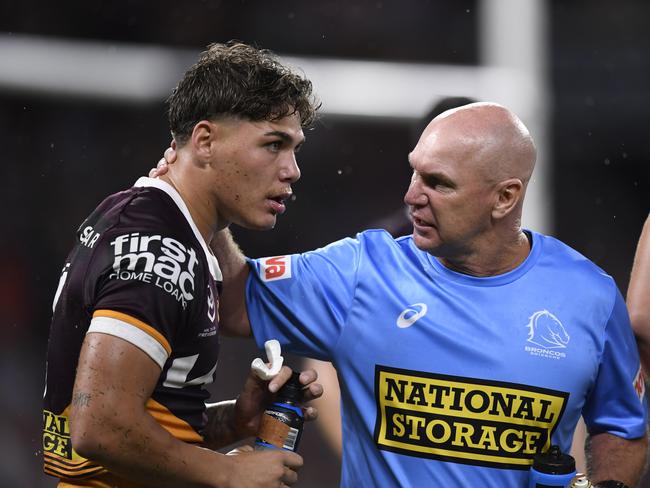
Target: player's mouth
x=276, y=202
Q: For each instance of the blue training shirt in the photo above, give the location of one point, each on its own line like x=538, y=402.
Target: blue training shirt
x=449, y=379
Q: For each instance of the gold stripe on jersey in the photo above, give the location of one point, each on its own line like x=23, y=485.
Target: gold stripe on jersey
x=171, y=423
x=59, y=458
x=136, y=323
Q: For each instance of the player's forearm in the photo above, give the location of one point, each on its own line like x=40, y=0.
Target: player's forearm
x=141, y=450
x=220, y=430
x=613, y=458
x=233, y=318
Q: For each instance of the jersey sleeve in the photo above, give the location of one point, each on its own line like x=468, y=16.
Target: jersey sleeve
x=617, y=403
x=140, y=287
x=303, y=300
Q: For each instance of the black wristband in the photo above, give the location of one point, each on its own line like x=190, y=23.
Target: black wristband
x=611, y=484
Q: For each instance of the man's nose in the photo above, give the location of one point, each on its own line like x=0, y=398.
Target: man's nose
x=414, y=196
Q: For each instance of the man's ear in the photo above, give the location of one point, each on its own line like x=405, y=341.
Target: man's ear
x=509, y=194
x=203, y=135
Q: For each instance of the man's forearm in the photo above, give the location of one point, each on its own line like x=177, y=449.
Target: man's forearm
x=614, y=458
x=233, y=318
x=637, y=295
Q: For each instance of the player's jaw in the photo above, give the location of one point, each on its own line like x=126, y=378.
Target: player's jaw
x=261, y=213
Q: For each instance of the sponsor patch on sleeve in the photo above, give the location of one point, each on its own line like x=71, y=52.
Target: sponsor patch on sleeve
x=464, y=420
x=639, y=383
x=275, y=268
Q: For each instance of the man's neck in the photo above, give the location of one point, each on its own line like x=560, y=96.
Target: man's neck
x=493, y=258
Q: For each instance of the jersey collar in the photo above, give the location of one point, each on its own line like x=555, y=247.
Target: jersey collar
x=213, y=264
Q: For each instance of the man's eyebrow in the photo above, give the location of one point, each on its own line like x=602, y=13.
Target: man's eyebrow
x=286, y=137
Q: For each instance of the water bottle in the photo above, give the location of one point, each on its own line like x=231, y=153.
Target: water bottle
x=552, y=469
x=281, y=424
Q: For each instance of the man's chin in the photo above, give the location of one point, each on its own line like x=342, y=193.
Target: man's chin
x=424, y=243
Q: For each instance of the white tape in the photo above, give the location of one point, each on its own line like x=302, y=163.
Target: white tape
x=273, y=356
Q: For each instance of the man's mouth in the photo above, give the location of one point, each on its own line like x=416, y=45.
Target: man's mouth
x=418, y=222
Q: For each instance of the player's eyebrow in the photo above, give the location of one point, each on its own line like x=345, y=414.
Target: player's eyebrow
x=286, y=137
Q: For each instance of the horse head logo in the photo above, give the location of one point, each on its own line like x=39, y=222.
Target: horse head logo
x=545, y=330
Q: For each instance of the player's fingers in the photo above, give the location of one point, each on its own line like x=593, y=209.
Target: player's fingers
x=290, y=477
x=292, y=460
x=280, y=379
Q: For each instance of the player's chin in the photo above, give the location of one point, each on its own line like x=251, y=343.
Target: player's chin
x=259, y=222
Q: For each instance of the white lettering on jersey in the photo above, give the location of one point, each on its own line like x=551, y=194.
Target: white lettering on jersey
x=89, y=237
x=275, y=268
x=163, y=261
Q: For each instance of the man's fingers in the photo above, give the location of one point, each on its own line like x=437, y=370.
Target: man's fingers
x=160, y=169
x=170, y=154
x=308, y=376
x=310, y=413
x=313, y=391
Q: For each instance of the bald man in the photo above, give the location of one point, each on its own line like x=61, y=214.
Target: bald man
x=471, y=345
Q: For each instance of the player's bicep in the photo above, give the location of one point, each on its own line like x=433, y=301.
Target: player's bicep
x=113, y=382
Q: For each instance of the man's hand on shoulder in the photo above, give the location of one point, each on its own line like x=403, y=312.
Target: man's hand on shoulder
x=169, y=157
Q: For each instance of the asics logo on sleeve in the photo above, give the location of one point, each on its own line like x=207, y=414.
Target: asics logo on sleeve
x=411, y=315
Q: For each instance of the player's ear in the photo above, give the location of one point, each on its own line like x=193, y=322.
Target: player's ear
x=203, y=135
x=509, y=193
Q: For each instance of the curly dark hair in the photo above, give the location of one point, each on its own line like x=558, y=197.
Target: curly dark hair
x=238, y=80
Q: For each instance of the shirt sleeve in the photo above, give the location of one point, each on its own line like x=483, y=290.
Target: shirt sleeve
x=303, y=300
x=617, y=403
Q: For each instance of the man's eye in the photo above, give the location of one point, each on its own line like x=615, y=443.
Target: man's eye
x=275, y=145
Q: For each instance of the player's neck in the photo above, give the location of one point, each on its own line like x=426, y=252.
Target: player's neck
x=196, y=198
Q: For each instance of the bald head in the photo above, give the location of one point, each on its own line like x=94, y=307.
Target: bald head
x=492, y=139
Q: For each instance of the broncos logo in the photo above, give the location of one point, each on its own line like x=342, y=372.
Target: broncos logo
x=544, y=329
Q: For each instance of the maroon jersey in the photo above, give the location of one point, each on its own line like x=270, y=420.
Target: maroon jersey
x=141, y=271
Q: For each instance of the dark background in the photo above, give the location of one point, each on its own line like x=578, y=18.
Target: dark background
x=62, y=156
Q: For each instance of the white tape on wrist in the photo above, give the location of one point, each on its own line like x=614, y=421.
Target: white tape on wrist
x=273, y=356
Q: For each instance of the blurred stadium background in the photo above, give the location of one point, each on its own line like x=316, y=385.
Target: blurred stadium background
x=82, y=89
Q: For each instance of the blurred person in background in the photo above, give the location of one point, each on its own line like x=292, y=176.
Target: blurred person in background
x=638, y=295
x=464, y=349
x=135, y=331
